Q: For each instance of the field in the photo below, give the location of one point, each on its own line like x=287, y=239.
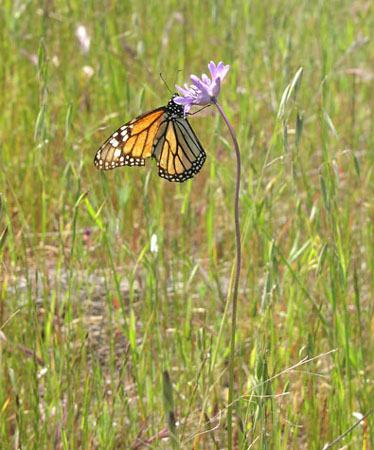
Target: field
x=115, y=322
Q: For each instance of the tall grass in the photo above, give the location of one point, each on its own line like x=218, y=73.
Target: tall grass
x=107, y=343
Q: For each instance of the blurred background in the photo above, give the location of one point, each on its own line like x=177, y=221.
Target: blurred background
x=110, y=279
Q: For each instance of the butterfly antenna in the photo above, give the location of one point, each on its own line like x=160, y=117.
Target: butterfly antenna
x=176, y=75
x=163, y=79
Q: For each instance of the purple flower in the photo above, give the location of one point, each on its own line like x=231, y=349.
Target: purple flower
x=203, y=91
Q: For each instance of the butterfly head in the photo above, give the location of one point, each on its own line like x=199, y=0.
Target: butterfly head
x=174, y=109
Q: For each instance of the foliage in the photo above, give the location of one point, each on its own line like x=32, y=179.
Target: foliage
x=91, y=319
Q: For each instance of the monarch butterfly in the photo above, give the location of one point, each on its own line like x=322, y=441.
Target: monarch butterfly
x=163, y=134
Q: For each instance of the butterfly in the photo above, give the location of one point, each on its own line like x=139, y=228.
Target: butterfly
x=163, y=134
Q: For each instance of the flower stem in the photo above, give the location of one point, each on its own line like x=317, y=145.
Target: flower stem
x=237, y=273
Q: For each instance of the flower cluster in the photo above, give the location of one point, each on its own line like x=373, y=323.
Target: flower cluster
x=203, y=90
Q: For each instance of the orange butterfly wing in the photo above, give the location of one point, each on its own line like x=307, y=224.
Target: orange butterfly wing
x=178, y=151
x=131, y=144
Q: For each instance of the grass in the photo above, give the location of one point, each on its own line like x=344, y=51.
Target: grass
x=104, y=342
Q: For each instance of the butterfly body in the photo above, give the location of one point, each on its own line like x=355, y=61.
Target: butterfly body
x=163, y=134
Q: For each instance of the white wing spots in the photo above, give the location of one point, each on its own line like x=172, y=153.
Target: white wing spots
x=131, y=161
x=125, y=133
x=187, y=174
x=110, y=155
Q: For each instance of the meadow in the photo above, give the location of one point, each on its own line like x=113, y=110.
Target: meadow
x=114, y=322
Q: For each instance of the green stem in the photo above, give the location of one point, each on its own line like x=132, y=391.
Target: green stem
x=237, y=274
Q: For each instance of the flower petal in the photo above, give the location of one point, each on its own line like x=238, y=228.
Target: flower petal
x=186, y=109
x=183, y=91
x=222, y=70
x=216, y=88
x=198, y=83
x=183, y=100
x=212, y=69
x=205, y=79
